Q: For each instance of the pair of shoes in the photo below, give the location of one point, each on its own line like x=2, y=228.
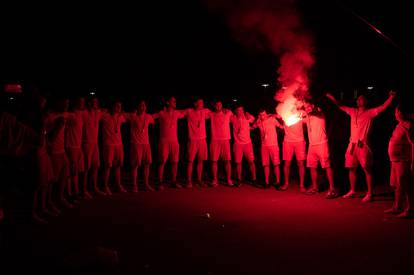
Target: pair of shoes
x=406, y=214
x=312, y=191
x=176, y=185
x=214, y=183
x=284, y=187
x=393, y=211
x=148, y=188
x=349, y=195
x=332, y=194
x=368, y=198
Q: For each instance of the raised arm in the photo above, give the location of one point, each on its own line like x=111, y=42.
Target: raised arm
x=387, y=102
x=337, y=103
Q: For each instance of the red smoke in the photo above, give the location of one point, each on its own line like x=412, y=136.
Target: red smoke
x=274, y=25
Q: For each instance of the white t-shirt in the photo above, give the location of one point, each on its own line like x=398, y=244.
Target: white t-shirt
x=196, y=120
x=139, y=127
x=220, y=125
x=241, y=128
x=168, y=124
x=74, y=129
x=91, y=119
x=268, y=132
x=361, y=123
x=294, y=133
x=111, y=128
x=57, y=145
x=316, y=129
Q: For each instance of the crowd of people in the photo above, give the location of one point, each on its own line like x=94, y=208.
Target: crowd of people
x=67, y=147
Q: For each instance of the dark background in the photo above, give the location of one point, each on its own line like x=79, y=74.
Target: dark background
x=152, y=49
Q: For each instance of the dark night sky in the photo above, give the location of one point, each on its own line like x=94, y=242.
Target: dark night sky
x=181, y=47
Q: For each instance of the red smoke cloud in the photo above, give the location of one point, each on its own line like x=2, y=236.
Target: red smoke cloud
x=274, y=25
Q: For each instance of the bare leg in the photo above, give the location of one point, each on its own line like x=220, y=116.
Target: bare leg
x=174, y=169
x=239, y=171
x=86, y=193
x=368, y=177
x=301, y=167
x=146, y=177
x=134, y=176
x=266, y=171
x=200, y=164
x=189, y=172
x=228, y=172
x=107, y=171
x=276, y=169
x=214, y=171
x=286, y=171
x=314, y=178
x=330, y=176
x=118, y=179
x=252, y=167
x=352, y=182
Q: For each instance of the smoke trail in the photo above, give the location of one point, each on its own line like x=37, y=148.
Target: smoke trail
x=274, y=25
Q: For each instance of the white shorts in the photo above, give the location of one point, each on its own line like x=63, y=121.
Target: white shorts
x=270, y=153
x=294, y=148
x=240, y=150
x=358, y=155
x=113, y=155
x=197, y=148
x=168, y=149
x=44, y=170
x=220, y=149
x=76, y=160
x=91, y=155
x=400, y=173
x=318, y=153
x=140, y=154
x=60, y=166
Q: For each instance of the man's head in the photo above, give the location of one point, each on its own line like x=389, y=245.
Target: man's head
x=172, y=102
x=362, y=101
x=80, y=103
x=199, y=104
x=239, y=111
x=218, y=106
x=262, y=114
x=94, y=103
x=117, y=107
x=142, y=107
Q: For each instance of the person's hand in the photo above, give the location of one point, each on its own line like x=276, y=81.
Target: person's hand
x=392, y=93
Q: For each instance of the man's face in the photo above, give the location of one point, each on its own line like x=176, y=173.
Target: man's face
x=262, y=115
x=218, y=106
x=94, y=103
x=81, y=103
x=362, y=101
x=199, y=104
x=239, y=111
x=172, y=102
x=117, y=107
x=142, y=107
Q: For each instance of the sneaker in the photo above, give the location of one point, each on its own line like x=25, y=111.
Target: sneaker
x=99, y=192
x=284, y=187
x=331, y=194
x=406, y=214
x=87, y=195
x=214, y=183
x=149, y=188
x=108, y=191
x=349, y=195
x=176, y=185
x=367, y=198
x=393, y=211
